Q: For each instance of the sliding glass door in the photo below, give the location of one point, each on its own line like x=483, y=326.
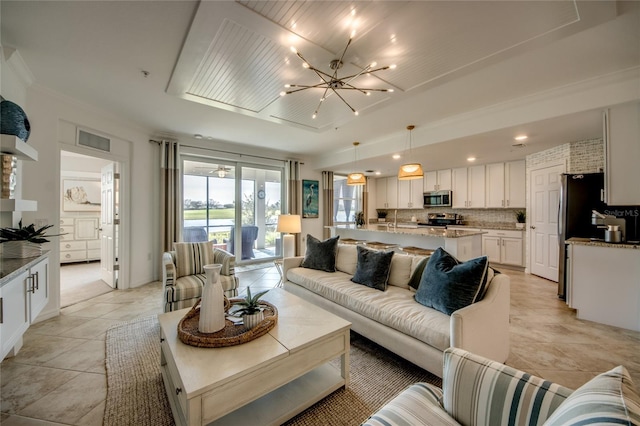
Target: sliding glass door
x=235, y=206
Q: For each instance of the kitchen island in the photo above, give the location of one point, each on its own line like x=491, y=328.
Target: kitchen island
x=464, y=245
x=603, y=282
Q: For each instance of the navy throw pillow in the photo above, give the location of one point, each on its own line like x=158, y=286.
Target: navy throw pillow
x=373, y=268
x=321, y=255
x=448, y=284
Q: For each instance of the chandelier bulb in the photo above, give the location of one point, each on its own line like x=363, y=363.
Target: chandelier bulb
x=356, y=112
x=283, y=93
x=293, y=49
x=314, y=115
x=390, y=90
x=287, y=86
x=368, y=93
x=305, y=65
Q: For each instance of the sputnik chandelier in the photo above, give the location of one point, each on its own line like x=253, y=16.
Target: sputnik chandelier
x=331, y=83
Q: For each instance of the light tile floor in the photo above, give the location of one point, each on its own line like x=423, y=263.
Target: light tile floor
x=59, y=378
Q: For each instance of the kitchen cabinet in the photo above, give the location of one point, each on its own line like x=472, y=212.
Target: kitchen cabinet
x=410, y=194
x=622, y=150
x=504, y=247
x=437, y=180
x=468, y=187
x=22, y=298
x=81, y=241
x=387, y=193
x=505, y=184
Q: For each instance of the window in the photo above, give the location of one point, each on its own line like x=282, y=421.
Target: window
x=347, y=200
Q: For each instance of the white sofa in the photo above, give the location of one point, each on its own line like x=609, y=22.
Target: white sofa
x=393, y=319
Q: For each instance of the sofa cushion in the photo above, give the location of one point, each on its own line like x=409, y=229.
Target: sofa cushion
x=419, y=404
x=373, y=267
x=321, y=255
x=191, y=257
x=394, y=308
x=608, y=399
x=347, y=258
x=448, y=284
x=400, y=270
x=481, y=392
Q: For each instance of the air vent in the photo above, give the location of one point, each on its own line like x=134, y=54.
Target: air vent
x=94, y=141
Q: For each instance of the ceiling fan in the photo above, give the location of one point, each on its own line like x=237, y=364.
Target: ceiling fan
x=221, y=171
x=331, y=83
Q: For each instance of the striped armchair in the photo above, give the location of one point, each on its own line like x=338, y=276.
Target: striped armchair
x=479, y=392
x=183, y=291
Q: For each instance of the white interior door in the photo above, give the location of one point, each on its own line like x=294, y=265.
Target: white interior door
x=545, y=203
x=108, y=225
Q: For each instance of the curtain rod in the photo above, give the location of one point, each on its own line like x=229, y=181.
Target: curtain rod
x=227, y=152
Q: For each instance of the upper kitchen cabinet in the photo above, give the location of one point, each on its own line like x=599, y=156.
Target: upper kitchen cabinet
x=468, y=187
x=437, y=180
x=410, y=194
x=387, y=193
x=622, y=154
x=505, y=184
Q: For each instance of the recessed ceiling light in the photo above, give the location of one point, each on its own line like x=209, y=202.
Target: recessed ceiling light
x=521, y=138
x=378, y=173
x=197, y=136
x=470, y=159
x=395, y=156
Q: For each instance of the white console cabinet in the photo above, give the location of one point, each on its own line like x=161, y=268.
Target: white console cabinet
x=81, y=241
x=504, y=247
x=22, y=297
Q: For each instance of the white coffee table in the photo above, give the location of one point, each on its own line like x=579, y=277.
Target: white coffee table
x=263, y=382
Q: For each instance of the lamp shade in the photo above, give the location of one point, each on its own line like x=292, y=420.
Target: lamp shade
x=289, y=223
x=410, y=171
x=356, y=178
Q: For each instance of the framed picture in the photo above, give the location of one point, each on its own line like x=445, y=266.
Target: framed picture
x=81, y=195
x=310, y=203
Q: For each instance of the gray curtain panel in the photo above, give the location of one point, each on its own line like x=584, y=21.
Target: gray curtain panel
x=327, y=202
x=294, y=195
x=170, y=197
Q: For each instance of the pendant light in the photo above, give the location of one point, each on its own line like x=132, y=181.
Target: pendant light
x=356, y=178
x=410, y=171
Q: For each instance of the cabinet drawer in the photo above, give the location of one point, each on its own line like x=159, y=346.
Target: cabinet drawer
x=501, y=233
x=93, y=254
x=73, y=245
x=93, y=244
x=73, y=256
x=67, y=231
x=66, y=221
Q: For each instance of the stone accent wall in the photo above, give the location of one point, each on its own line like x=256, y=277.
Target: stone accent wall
x=586, y=156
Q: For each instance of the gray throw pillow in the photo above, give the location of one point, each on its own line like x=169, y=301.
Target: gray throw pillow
x=373, y=268
x=416, y=275
x=321, y=255
x=448, y=284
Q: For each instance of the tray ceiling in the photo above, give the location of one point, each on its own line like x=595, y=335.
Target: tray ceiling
x=237, y=54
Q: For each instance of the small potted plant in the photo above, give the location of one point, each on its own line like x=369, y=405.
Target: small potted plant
x=382, y=215
x=251, y=310
x=23, y=241
x=521, y=218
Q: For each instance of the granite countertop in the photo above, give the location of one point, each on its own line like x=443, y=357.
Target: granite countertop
x=10, y=268
x=413, y=230
x=497, y=226
x=589, y=242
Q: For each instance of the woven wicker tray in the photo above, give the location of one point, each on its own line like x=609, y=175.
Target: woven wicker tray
x=230, y=335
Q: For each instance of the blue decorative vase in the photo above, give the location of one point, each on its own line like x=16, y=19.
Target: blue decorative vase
x=14, y=121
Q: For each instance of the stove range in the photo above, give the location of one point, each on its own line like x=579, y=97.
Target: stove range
x=441, y=220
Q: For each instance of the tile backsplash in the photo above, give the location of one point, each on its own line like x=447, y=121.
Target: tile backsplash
x=470, y=217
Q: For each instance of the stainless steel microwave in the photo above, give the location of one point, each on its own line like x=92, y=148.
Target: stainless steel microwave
x=437, y=198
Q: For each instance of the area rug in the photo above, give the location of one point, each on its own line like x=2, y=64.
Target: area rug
x=136, y=395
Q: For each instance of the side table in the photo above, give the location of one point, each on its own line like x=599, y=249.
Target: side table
x=279, y=262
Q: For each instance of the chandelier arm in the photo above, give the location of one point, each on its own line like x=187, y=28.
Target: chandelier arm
x=343, y=100
x=344, y=52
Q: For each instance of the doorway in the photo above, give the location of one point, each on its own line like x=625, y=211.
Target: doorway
x=543, y=236
x=82, y=213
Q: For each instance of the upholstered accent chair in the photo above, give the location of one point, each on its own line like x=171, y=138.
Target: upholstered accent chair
x=183, y=276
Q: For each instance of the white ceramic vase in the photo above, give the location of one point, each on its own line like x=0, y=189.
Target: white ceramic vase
x=212, y=315
x=253, y=320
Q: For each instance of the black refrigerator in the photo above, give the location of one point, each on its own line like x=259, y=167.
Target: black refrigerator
x=579, y=195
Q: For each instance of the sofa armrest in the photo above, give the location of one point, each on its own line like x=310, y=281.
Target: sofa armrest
x=289, y=263
x=483, y=327
x=168, y=269
x=227, y=260
x=506, y=395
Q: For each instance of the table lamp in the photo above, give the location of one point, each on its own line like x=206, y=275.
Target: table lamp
x=289, y=224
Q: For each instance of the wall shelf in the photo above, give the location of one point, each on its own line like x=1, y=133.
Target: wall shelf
x=11, y=205
x=13, y=145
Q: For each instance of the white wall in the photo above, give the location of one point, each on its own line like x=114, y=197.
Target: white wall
x=47, y=113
